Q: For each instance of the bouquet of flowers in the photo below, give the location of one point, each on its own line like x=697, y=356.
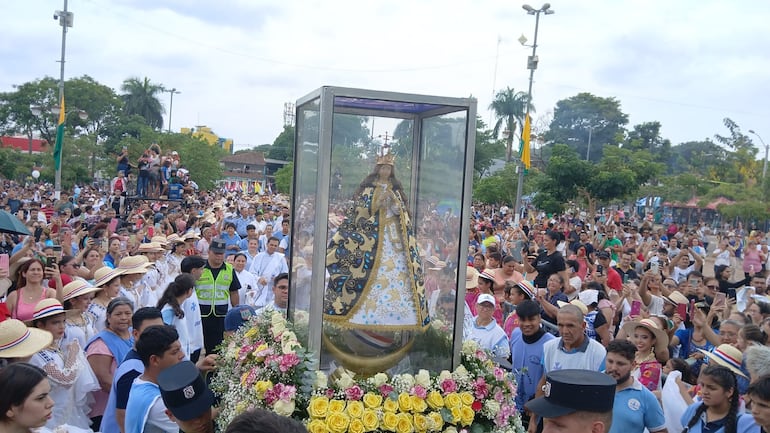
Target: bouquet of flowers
x=266, y=367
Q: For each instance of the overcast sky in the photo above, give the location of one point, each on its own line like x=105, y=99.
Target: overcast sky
x=687, y=64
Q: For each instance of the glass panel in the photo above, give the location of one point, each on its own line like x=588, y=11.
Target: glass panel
x=305, y=182
x=439, y=199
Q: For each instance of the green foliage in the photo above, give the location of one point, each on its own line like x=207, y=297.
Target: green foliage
x=141, y=98
x=283, y=145
x=283, y=178
x=510, y=108
x=574, y=117
x=487, y=148
x=196, y=155
x=497, y=188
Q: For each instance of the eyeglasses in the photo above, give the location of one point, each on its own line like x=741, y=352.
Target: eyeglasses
x=712, y=286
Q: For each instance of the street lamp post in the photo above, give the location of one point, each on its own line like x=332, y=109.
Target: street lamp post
x=171, y=104
x=65, y=19
x=531, y=65
x=767, y=148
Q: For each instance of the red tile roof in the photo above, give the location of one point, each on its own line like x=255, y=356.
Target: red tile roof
x=22, y=144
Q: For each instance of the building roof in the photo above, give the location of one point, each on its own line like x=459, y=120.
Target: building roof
x=22, y=144
x=247, y=158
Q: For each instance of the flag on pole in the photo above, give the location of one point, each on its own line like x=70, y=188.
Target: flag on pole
x=59, y=136
x=525, y=155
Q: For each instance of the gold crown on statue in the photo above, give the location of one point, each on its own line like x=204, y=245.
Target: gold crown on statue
x=386, y=159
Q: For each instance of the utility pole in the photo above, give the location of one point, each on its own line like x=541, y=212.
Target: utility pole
x=65, y=20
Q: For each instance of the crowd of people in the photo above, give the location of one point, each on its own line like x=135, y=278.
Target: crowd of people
x=688, y=351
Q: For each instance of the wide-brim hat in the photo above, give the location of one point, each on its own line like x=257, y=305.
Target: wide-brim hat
x=471, y=277
x=728, y=356
x=576, y=302
x=160, y=240
x=174, y=239
x=151, y=247
x=17, y=340
x=106, y=274
x=676, y=298
x=46, y=308
x=191, y=236
x=487, y=275
x=77, y=288
x=528, y=288
x=661, y=338
x=134, y=265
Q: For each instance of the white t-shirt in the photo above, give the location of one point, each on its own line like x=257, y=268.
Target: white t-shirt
x=192, y=319
x=157, y=418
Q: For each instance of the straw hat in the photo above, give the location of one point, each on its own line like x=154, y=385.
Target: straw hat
x=160, y=240
x=727, y=356
x=134, y=265
x=191, y=236
x=77, y=288
x=677, y=298
x=486, y=274
x=46, y=308
x=471, y=277
x=106, y=274
x=527, y=288
x=174, y=238
x=151, y=247
x=436, y=263
x=576, y=302
x=661, y=338
x=19, y=341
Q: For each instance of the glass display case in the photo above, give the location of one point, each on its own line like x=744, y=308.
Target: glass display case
x=381, y=204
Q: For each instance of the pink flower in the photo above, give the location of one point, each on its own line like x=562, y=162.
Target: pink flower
x=285, y=392
x=385, y=389
x=498, y=395
x=499, y=373
x=448, y=385
x=354, y=393
x=480, y=388
x=271, y=396
x=481, y=355
x=251, y=377
x=287, y=361
x=419, y=391
x=329, y=393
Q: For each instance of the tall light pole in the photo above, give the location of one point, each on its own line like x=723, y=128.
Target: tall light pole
x=767, y=148
x=531, y=65
x=65, y=19
x=171, y=104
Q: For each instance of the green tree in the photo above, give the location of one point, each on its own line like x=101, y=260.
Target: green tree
x=565, y=175
x=744, y=154
x=196, y=155
x=579, y=117
x=487, y=148
x=283, y=145
x=283, y=178
x=510, y=107
x=141, y=98
x=16, y=116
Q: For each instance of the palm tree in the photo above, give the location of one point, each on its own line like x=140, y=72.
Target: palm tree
x=509, y=107
x=141, y=98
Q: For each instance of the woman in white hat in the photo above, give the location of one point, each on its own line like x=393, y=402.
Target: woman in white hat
x=134, y=268
x=76, y=298
x=18, y=342
x=650, y=340
x=107, y=280
x=71, y=377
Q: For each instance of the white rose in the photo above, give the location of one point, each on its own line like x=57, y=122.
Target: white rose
x=423, y=378
x=469, y=347
x=407, y=380
x=492, y=407
x=283, y=407
x=380, y=379
x=321, y=380
x=345, y=381
x=444, y=375
x=288, y=347
x=288, y=336
x=278, y=327
x=450, y=429
x=460, y=372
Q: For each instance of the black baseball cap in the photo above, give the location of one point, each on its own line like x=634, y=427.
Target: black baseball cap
x=184, y=391
x=568, y=391
x=603, y=255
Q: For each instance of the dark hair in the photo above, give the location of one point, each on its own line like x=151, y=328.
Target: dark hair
x=155, y=340
x=17, y=382
x=725, y=379
x=272, y=238
x=144, y=314
x=65, y=260
x=718, y=271
x=182, y=284
x=192, y=262
x=508, y=259
x=24, y=268
x=372, y=177
x=236, y=255
x=624, y=348
x=753, y=333
x=760, y=388
x=496, y=256
x=228, y=225
x=527, y=309
x=573, y=264
x=115, y=303
x=683, y=367
x=264, y=421
x=279, y=277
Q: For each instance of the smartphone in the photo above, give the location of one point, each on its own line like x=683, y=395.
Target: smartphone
x=57, y=251
x=123, y=246
x=654, y=267
x=51, y=261
x=113, y=225
x=681, y=310
x=4, y=262
x=105, y=244
x=625, y=278
x=150, y=231
x=720, y=299
x=636, y=308
x=599, y=269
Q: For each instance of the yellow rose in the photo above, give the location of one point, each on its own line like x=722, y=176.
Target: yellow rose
x=355, y=409
x=389, y=421
x=337, y=422
x=372, y=401
x=262, y=386
x=317, y=426
x=318, y=407
x=356, y=426
x=380, y=379
x=244, y=376
x=436, y=421
x=390, y=405
x=404, y=424
x=336, y=405
x=457, y=414
x=418, y=404
x=422, y=378
x=452, y=400
x=435, y=400
x=370, y=420
x=467, y=415
x=467, y=398
x=404, y=402
x=283, y=407
x=250, y=333
x=420, y=423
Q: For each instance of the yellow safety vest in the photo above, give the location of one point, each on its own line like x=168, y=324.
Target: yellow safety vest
x=215, y=294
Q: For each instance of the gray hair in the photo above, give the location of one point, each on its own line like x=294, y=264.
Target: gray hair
x=758, y=360
x=115, y=303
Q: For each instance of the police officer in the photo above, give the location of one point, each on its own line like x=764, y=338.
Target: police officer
x=216, y=286
x=575, y=401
